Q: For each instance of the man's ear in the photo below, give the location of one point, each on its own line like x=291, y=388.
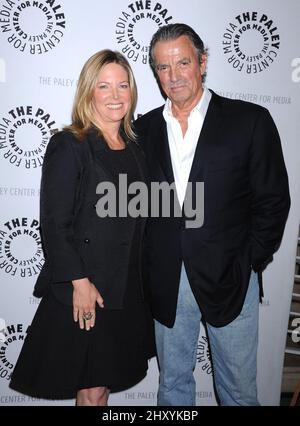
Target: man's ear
x=203, y=63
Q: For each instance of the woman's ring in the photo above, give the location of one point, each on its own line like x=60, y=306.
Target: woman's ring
x=87, y=316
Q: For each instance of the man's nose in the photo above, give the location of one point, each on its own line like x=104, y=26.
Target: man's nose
x=173, y=73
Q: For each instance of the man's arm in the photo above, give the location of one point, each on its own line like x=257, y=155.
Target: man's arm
x=270, y=189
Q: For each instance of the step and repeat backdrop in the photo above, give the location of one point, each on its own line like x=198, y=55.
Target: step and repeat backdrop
x=253, y=55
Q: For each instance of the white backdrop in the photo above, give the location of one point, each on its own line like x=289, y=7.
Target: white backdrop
x=253, y=55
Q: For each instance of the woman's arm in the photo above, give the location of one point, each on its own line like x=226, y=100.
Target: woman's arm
x=60, y=180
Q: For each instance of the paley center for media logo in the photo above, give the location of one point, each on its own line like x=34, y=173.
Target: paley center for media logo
x=251, y=42
x=136, y=25
x=24, y=134
x=203, y=355
x=10, y=345
x=33, y=27
x=21, y=253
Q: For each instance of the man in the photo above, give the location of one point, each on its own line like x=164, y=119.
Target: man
x=210, y=272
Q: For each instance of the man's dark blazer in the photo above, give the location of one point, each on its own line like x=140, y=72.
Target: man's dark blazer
x=78, y=243
x=246, y=203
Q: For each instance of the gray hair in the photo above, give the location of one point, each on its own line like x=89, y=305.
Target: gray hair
x=172, y=32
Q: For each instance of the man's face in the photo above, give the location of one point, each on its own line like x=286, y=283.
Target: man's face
x=179, y=71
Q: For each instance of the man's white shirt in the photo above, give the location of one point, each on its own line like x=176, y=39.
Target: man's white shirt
x=182, y=149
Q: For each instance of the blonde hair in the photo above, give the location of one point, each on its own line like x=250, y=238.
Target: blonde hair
x=82, y=113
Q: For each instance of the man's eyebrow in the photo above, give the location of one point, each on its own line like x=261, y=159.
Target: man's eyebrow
x=161, y=64
x=186, y=58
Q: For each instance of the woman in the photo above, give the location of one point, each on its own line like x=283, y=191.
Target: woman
x=92, y=331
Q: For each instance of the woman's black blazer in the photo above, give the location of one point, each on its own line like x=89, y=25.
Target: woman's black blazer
x=76, y=241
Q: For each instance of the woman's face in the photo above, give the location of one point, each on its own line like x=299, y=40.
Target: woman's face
x=112, y=95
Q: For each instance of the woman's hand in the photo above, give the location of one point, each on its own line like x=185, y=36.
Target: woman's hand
x=85, y=296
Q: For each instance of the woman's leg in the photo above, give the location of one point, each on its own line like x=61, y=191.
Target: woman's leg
x=92, y=396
